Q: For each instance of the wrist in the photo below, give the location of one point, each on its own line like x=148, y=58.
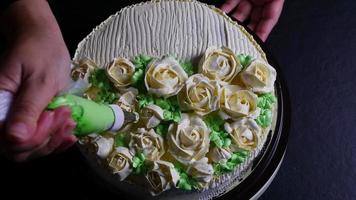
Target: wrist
x=26, y=17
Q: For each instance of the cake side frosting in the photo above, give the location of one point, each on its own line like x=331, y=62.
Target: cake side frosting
x=195, y=27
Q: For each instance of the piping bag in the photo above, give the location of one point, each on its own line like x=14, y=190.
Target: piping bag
x=90, y=117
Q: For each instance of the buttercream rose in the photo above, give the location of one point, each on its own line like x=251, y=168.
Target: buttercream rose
x=219, y=155
x=219, y=64
x=120, y=161
x=201, y=171
x=120, y=72
x=259, y=76
x=236, y=103
x=161, y=176
x=165, y=77
x=188, y=141
x=127, y=101
x=151, y=116
x=82, y=69
x=101, y=146
x=245, y=133
x=200, y=94
x=147, y=142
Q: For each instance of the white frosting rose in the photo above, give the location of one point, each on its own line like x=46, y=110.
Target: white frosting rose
x=189, y=140
x=201, y=171
x=236, y=103
x=162, y=176
x=101, y=146
x=219, y=155
x=245, y=133
x=120, y=72
x=120, y=161
x=151, y=116
x=259, y=76
x=165, y=77
x=200, y=94
x=147, y=142
x=82, y=69
x=219, y=64
x=127, y=101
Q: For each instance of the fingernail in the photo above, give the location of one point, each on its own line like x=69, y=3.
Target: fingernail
x=19, y=132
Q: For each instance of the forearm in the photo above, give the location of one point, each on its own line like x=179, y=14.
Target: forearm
x=24, y=15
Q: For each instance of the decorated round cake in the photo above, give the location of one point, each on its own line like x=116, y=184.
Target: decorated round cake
x=201, y=88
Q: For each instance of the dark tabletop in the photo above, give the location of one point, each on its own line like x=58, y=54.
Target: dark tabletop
x=314, y=43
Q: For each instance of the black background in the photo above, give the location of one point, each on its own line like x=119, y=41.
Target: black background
x=314, y=43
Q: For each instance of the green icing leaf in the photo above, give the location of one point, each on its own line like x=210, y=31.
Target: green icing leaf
x=265, y=118
x=138, y=164
x=236, y=159
x=162, y=129
x=218, y=136
x=163, y=103
x=266, y=101
x=107, y=93
x=214, y=122
x=145, y=100
x=172, y=116
x=185, y=182
x=121, y=140
x=188, y=68
x=141, y=61
x=245, y=60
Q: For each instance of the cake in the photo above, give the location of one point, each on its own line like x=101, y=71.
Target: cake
x=201, y=86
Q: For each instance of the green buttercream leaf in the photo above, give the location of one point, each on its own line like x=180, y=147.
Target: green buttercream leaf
x=163, y=103
x=245, y=60
x=236, y=159
x=107, y=93
x=214, y=122
x=121, y=140
x=138, y=164
x=266, y=101
x=141, y=61
x=162, y=129
x=188, y=68
x=185, y=181
x=265, y=118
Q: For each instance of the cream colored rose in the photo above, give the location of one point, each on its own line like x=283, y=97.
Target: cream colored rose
x=161, y=176
x=245, y=133
x=259, y=76
x=236, y=103
x=127, y=101
x=220, y=64
x=200, y=94
x=151, y=116
x=101, y=146
x=82, y=69
x=189, y=140
x=120, y=72
x=201, y=171
x=219, y=155
x=147, y=142
x=165, y=77
x=120, y=161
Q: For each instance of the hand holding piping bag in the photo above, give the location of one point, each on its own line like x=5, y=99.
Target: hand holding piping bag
x=89, y=116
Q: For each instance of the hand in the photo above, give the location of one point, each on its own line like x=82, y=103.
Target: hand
x=262, y=14
x=35, y=67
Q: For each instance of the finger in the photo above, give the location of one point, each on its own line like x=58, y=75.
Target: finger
x=243, y=11
x=57, y=139
x=229, y=5
x=269, y=18
x=31, y=100
x=255, y=18
x=45, y=129
x=67, y=142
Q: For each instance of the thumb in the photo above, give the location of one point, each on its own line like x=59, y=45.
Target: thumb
x=30, y=100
